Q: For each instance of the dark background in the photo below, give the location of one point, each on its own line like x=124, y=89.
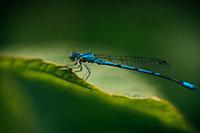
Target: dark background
x=168, y=29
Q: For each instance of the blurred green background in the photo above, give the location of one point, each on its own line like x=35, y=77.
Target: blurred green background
x=166, y=29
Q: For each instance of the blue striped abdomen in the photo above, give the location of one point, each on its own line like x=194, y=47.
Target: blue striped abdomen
x=182, y=83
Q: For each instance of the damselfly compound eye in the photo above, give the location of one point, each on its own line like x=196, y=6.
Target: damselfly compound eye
x=71, y=56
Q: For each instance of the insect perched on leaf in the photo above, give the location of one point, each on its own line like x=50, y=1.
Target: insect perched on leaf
x=139, y=64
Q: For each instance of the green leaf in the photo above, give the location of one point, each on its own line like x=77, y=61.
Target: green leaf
x=39, y=97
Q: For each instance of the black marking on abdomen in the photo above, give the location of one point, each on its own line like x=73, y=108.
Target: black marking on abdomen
x=119, y=65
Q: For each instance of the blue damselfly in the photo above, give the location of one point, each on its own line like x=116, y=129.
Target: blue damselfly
x=138, y=64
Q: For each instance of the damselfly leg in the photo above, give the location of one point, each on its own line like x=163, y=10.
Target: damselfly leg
x=87, y=74
x=78, y=67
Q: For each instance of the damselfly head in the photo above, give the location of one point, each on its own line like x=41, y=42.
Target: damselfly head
x=74, y=55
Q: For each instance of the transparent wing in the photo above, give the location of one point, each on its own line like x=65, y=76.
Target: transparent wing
x=140, y=62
